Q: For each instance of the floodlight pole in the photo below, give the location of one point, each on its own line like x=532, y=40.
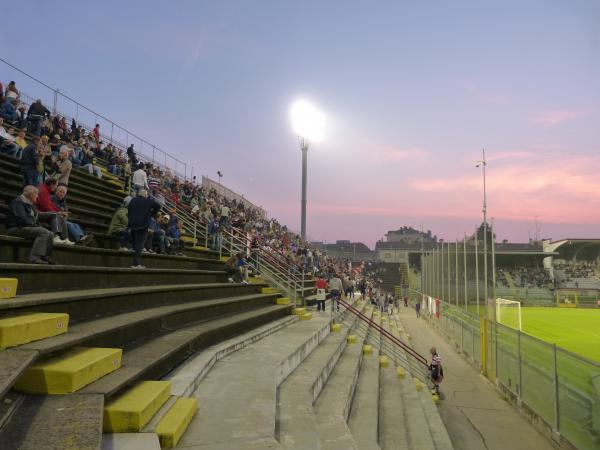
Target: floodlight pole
x=483, y=163
x=304, y=149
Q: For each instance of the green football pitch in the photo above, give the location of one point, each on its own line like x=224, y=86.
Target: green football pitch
x=574, y=329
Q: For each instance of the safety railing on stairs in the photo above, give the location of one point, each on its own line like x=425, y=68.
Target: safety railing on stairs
x=391, y=345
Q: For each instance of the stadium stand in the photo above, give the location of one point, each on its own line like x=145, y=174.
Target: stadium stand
x=116, y=338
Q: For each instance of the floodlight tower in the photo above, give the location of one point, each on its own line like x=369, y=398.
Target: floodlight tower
x=483, y=164
x=309, y=124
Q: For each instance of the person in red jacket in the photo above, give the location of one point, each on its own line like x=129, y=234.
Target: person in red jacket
x=321, y=286
x=52, y=213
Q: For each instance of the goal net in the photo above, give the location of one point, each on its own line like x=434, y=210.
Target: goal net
x=567, y=298
x=508, y=313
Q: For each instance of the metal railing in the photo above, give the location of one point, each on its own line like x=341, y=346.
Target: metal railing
x=60, y=103
x=401, y=353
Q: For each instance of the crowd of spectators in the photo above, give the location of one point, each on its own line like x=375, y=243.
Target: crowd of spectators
x=148, y=220
x=523, y=277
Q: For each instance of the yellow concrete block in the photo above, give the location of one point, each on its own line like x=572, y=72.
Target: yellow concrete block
x=299, y=311
x=336, y=327
x=400, y=372
x=436, y=399
x=352, y=339
x=306, y=316
x=224, y=258
x=8, y=287
x=25, y=328
x=256, y=280
x=134, y=409
x=70, y=371
x=384, y=362
x=199, y=247
x=284, y=301
x=172, y=426
x=418, y=385
x=269, y=290
x=367, y=350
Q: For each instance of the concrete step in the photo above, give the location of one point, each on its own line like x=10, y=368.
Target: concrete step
x=123, y=329
x=70, y=371
x=34, y=278
x=14, y=249
x=249, y=379
x=56, y=422
x=364, y=416
x=13, y=363
x=157, y=356
x=130, y=441
x=332, y=408
x=438, y=430
x=88, y=304
x=134, y=408
x=296, y=420
x=417, y=430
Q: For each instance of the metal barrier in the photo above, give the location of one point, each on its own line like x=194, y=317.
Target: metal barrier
x=59, y=103
x=560, y=387
x=401, y=352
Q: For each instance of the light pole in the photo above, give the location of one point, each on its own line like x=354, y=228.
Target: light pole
x=220, y=175
x=483, y=163
x=308, y=123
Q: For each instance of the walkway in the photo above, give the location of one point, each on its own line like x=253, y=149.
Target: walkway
x=476, y=417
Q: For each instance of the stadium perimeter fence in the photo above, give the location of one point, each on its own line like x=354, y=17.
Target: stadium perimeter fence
x=558, y=386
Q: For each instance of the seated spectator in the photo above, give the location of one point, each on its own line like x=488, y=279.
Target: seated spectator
x=75, y=231
x=234, y=274
x=29, y=163
x=159, y=240
x=118, y=225
x=7, y=142
x=174, y=236
x=23, y=220
x=8, y=111
x=36, y=115
x=48, y=210
x=88, y=163
x=64, y=165
x=20, y=139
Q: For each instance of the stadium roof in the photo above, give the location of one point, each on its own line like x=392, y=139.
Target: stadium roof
x=572, y=248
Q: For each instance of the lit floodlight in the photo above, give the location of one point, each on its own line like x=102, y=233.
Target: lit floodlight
x=308, y=121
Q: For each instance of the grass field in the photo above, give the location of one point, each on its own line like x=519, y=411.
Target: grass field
x=574, y=329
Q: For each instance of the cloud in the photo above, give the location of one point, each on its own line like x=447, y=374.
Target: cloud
x=551, y=118
x=559, y=189
x=380, y=153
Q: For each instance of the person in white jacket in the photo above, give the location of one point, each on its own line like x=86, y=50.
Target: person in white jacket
x=140, y=179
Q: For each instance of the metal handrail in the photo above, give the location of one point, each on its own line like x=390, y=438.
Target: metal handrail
x=396, y=341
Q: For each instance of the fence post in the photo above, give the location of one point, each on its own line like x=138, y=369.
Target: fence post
x=473, y=343
x=556, y=406
x=195, y=242
x=520, y=390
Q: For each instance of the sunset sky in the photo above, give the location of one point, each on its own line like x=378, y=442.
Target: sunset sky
x=412, y=92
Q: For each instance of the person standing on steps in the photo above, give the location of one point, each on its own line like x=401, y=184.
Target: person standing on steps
x=418, y=309
x=139, y=211
x=436, y=371
x=321, y=285
x=335, y=287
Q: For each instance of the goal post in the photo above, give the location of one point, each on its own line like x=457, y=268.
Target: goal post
x=508, y=312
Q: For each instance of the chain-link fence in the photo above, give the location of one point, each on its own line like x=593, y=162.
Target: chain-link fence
x=560, y=387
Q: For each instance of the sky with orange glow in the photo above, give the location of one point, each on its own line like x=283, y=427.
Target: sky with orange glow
x=412, y=92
